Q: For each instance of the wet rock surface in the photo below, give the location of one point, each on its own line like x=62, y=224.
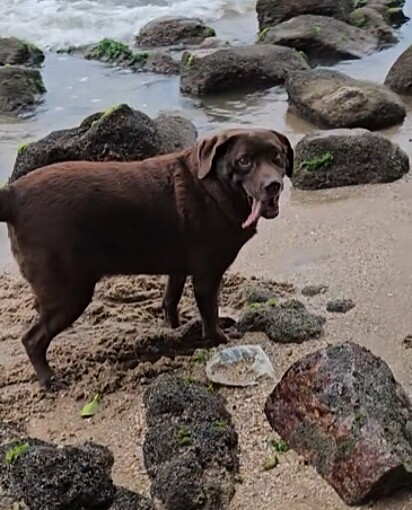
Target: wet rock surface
x=14, y=51
x=117, y=53
x=332, y=99
x=343, y=411
x=190, y=449
x=323, y=39
x=372, y=21
x=399, y=77
x=168, y=31
x=345, y=157
x=287, y=322
x=272, y=12
x=120, y=134
x=252, y=67
x=45, y=476
x=21, y=90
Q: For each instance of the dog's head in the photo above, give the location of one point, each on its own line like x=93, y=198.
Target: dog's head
x=253, y=162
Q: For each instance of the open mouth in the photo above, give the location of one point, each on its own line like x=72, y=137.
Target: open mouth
x=267, y=209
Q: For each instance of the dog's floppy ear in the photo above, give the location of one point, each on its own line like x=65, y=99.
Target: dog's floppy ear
x=207, y=150
x=289, y=153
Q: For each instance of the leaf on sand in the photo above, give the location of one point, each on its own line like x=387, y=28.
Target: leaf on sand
x=91, y=407
x=270, y=463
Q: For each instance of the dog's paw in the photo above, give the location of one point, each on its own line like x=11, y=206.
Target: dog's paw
x=54, y=385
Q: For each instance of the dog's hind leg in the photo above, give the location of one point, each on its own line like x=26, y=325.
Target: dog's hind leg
x=207, y=288
x=172, y=295
x=57, y=311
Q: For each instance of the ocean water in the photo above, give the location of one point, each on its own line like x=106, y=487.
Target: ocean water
x=53, y=24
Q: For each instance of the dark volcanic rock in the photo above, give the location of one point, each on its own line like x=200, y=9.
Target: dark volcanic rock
x=128, y=500
x=14, y=51
x=314, y=290
x=272, y=12
x=190, y=449
x=47, y=477
x=168, y=31
x=399, y=77
x=237, y=68
x=120, y=134
x=161, y=62
x=345, y=157
x=331, y=99
x=339, y=305
x=343, y=411
x=322, y=39
x=21, y=89
x=282, y=324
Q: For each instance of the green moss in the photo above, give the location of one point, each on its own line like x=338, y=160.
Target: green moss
x=316, y=29
x=260, y=304
x=219, y=424
x=280, y=446
x=139, y=59
x=394, y=10
x=262, y=33
x=209, y=32
x=110, y=50
x=190, y=61
x=303, y=54
x=22, y=148
x=201, y=356
x=15, y=452
x=322, y=161
x=359, y=19
x=184, y=436
x=359, y=3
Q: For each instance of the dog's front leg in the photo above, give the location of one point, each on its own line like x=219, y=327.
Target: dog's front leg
x=206, y=288
x=172, y=295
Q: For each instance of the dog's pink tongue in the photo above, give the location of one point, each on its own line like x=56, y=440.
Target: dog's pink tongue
x=255, y=213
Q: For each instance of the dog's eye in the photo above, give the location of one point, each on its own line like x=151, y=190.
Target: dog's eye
x=245, y=162
x=276, y=158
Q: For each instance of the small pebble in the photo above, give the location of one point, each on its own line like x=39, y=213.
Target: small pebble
x=339, y=305
x=314, y=290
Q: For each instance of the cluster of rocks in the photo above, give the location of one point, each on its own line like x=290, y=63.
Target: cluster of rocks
x=35, y=475
x=191, y=447
x=21, y=83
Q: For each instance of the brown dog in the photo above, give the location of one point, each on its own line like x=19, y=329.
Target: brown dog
x=187, y=213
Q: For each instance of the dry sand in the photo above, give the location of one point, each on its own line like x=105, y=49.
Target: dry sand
x=356, y=240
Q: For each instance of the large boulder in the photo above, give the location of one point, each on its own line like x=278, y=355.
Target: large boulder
x=168, y=31
x=190, y=449
x=345, y=157
x=237, y=68
x=373, y=22
x=321, y=38
x=272, y=12
x=399, y=77
x=342, y=410
x=332, y=99
x=120, y=134
x=46, y=476
x=21, y=90
x=14, y=51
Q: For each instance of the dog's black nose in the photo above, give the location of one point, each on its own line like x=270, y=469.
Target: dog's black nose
x=273, y=188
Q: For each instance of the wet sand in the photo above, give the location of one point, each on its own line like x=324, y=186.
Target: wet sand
x=357, y=240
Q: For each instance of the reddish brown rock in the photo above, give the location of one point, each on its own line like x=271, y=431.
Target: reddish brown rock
x=343, y=411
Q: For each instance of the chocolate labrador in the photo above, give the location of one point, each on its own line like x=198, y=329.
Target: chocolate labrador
x=181, y=214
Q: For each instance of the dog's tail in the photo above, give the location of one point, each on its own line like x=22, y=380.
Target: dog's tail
x=6, y=213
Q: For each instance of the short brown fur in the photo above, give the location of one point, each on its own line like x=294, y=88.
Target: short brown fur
x=72, y=223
